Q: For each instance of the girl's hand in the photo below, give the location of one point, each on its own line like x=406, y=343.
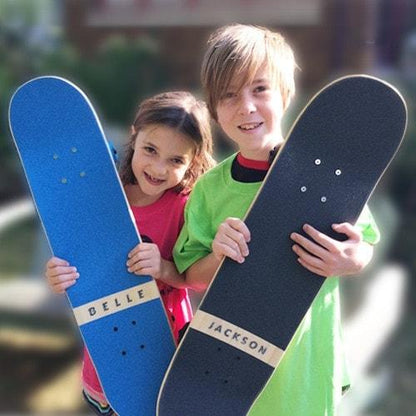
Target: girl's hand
x=231, y=240
x=60, y=275
x=145, y=259
x=328, y=257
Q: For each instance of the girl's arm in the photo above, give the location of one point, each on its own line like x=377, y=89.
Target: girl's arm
x=145, y=259
x=60, y=274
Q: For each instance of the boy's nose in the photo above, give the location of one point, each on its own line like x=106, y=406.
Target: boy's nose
x=246, y=105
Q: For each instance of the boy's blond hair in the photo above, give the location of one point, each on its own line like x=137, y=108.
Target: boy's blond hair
x=237, y=52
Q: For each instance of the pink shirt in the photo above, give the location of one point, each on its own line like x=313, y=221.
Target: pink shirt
x=159, y=223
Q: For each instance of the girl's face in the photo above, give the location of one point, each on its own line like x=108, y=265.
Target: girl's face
x=251, y=117
x=161, y=158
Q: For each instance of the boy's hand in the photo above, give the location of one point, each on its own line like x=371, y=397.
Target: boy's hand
x=145, y=259
x=60, y=274
x=231, y=240
x=328, y=257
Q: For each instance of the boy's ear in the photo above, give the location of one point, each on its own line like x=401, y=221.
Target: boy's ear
x=132, y=130
x=286, y=104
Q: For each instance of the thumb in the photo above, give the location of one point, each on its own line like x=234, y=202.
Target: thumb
x=352, y=232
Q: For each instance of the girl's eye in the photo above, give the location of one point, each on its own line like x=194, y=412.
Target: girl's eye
x=177, y=161
x=228, y=95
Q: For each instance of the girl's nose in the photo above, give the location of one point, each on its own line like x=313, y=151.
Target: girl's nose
x=160, y=167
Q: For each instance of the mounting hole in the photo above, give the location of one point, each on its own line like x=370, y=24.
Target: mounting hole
x=323, y=199
x=142, y=347
x=303, y=189
x=317, y=162
x=338, y=172
x=64, y=180
x=74, y=149
x=225, y=381
x=133, y=322
x=55, y=156
x=123, y=352
x=206, y=373
x=238, y=358
x=82, y=174
x=115, y=329
x=219, y=349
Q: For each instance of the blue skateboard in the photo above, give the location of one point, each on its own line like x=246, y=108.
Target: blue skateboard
x=325, y=172
x=87, y=220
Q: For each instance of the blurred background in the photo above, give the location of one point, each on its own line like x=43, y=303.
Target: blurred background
x=121, y=51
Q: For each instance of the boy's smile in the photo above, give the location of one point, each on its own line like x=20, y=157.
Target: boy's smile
x=251, y=115
x=250, y=126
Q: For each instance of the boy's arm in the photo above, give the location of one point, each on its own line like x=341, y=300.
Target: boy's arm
x=200, y=274
x=230, y=241
x=328, y=257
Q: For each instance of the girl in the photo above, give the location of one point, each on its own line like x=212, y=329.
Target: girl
x=169, y=148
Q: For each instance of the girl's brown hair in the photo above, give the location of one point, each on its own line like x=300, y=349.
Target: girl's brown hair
x=181, y=111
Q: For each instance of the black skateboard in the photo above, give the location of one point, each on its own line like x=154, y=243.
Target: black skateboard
x=334, y=156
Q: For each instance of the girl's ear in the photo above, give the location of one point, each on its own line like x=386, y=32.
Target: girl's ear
x=133, y=134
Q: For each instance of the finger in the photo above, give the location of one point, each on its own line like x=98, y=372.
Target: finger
x=312, y=269
x=145, y=271
x=61, y=287
x=320, y=238
x=143, y=255
x=239, y=249
x=352, y=232
x=63, y=278
x=143, y=264
x=234, y=239
x=60, y=270
x=240, y=226
x=134, y=252
x=228, y=251
x=310, y=246
x=142, y=248
x=308, y=258
x=55, y=262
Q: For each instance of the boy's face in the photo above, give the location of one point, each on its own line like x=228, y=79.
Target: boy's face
x=251, y=117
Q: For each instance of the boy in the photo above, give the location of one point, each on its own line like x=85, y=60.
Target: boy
x=248, y=77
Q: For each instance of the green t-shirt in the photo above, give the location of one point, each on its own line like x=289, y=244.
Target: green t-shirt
x=310, y=377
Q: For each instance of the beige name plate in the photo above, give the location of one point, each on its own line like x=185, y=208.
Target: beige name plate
x=116, y=302
x=237, y=337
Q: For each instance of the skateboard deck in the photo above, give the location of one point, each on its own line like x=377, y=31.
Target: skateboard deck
x=87, y=220
x=324, y=173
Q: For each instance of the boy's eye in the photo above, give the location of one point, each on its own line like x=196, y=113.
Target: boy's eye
x=260, y=88
x=178, y=161
x=149, y=149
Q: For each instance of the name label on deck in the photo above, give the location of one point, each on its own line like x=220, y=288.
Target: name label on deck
x=237, y=337
x=116, y=302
